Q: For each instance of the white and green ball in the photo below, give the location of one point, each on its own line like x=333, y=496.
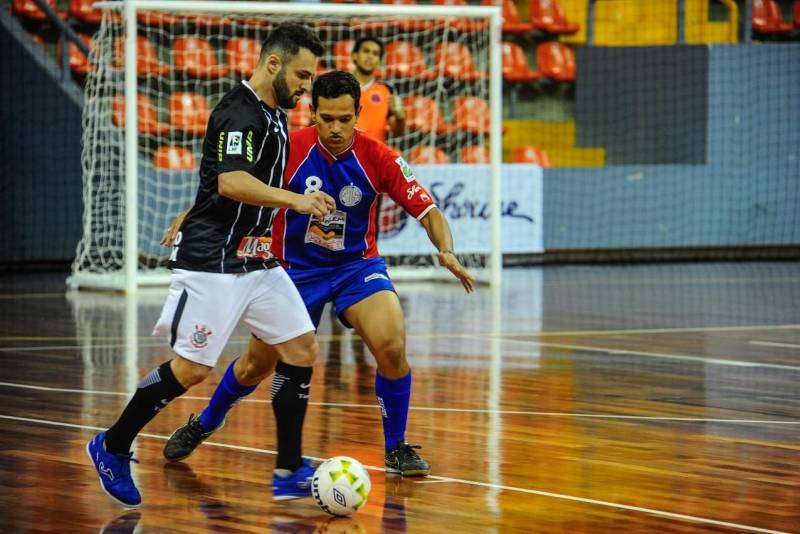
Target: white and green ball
x=341, y=485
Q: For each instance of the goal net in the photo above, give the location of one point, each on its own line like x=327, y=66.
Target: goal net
x=160, y=67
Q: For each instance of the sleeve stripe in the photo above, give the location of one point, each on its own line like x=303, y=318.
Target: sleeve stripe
x=425, y=212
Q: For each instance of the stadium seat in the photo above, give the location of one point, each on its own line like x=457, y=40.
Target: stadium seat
x=423, y=115
x=409, y=25
x=174, y=158
x=343, y=55
x=512, y=24
x=471, y=114
x=549, y=16
x=556, y=61
x=530, y=154
x=462, y=25
x=147, y=62
x=454, y=60
x=189, y=112
x=474, y=154
x=797, y=13
x=84, y=11
x=196, y=57
x=300, y=116
x=78, y=62
x=427, y=155
x=768, y=19
x=147, y=116
x=515, y=65
x=37, y=39
x=29, y=10
x=405, y=60
x=243, y=54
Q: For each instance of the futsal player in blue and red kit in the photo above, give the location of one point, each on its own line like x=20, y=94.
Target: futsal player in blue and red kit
x=335, y=258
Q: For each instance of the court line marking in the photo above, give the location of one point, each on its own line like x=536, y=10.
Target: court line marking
x=555, y=333
x=541, y=493
x=437, y=409
x=665, y=355
x=775, y=344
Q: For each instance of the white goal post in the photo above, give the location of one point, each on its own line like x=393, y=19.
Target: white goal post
x=110, y=254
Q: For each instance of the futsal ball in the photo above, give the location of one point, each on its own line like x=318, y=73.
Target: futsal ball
x=340, y=485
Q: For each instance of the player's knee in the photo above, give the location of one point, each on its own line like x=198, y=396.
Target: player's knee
x=304, y=353
x=255, y=369
x=392, y=356
x=189, y=373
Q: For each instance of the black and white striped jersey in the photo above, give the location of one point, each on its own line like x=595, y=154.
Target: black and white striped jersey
x=219, y=234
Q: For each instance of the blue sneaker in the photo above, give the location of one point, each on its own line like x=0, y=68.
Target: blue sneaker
x=114, y=471
x=295, y=485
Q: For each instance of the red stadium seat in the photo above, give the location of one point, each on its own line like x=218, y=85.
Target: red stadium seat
x=475, y=154
x=343, y=55
x=515, y=65
x=189, y=112
x=37, y=39
x=300, y=116
x=29, y=10
x=405, y=60
x=797, y=13
x=462, y=25
x=471, y=114
x=174, y=158
x=556, y=61
x=549, y=16
x=530, y=154
x=427, y=154
x=147, y=62
x=147, y=116
x=423, y=115
x=243, y=54
x=82, y=10
x=409, y=25
x=196, y=57
x=768, y=19
x=454, y=60
x=78, y=62
x=511, y=21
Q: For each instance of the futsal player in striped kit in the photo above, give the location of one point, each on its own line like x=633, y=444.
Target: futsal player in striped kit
x=223, y=271
x=335, y=258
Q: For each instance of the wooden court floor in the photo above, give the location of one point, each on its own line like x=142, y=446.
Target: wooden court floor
x=579, y=399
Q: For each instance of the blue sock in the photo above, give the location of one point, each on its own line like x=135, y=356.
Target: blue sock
x=228, y=392
x=394, y=397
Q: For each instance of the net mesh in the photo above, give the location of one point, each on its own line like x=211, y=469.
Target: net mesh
x=186, y=62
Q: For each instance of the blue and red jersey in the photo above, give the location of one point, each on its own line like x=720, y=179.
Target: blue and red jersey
x=354, y=179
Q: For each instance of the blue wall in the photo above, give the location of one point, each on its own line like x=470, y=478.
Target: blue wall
x=748, y=192
x=40, y=169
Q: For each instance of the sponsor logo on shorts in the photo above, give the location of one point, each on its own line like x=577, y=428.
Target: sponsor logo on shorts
x=199, y=337
x=375, y=276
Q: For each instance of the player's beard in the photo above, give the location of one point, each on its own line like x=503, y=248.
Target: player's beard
x=283, y=95
x=365, y=72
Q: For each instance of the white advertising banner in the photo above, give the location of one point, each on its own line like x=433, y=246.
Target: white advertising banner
x=462, y=193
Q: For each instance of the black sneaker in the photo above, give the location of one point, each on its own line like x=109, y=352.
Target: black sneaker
x=405, y=461
x=186, y=439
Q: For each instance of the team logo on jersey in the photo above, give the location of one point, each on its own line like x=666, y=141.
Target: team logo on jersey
x=376, y=98
x=405, y=169
x=199, y=337
x=350, y=195
x=234, y=143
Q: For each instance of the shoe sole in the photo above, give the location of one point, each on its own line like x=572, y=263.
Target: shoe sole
x=180, y=458
x=409, y=473
x=102, y=487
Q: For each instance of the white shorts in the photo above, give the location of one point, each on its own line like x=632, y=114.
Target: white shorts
x=202, y=310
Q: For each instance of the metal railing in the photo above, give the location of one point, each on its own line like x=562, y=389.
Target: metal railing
x=68, y=35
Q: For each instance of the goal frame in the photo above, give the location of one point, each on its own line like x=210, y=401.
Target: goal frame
x=129, y=278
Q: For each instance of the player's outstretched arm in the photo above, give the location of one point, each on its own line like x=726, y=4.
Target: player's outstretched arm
x=172, y=231
x=438, y=229
x=244, y=187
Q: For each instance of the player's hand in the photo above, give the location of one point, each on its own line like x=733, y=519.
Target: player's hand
x=397, y=107
x=450, y=261
x=172, y=231
x=318, y=204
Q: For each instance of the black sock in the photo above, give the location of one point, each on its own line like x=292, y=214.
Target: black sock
x=290, y=389
x=154, y=392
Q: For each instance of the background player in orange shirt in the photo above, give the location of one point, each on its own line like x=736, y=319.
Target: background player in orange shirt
x=381, y=108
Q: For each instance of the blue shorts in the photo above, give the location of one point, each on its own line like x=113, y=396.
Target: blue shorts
x=344, y=285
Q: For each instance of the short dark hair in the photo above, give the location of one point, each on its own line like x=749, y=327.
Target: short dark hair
x=334, y=84
x=368, y=39
x=287, y=39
